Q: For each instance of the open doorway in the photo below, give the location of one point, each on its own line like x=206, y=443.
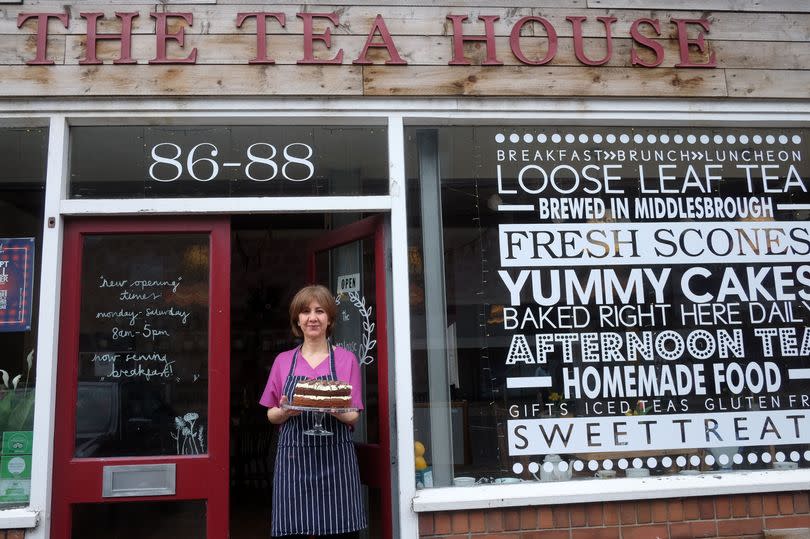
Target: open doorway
x=272, y=256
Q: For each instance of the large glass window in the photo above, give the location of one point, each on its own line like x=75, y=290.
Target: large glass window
x=609, y=301
x=234, y=161
x=143, y=346
x=22, y=196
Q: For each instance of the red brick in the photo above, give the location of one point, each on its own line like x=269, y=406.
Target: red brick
x=644, y=532
x=596, y=533
x=498, y=536
x=530, y=535
x=785, y=503
x=680, y=530
x=577, y=516
x=643, y=512
x=594, y=515
x=755, y=505
x=561, y=517
x=706, y=506
x=456, y=536
x=442, y=523
x=460, y=521
x=801, y=502
x=691, y=509
x=675, y=509
x=737, y=527
x=611, y=513
x=425, y=524
x=556, y=534
x=793, y=521
x=703, y=528
x=659, y=511
x=494, y=521
x=478, y=521
x=722, y=505
x=546, y=518
x=511, y=519
x=627, y=513
x=528, y=518
x=769, y=505
x=15, y=534
x=739, y=506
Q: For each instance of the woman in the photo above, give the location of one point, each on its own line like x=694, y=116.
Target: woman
x=316, y=484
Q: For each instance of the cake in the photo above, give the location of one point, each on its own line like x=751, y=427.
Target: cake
x=322, y=394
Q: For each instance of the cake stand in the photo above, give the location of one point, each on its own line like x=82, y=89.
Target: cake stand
x=317, y=429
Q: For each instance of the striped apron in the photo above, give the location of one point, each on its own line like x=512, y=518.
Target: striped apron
x=316, y=484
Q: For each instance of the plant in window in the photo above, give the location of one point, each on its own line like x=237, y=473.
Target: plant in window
x=17, y=402
x=560, y=406
x=640, y=409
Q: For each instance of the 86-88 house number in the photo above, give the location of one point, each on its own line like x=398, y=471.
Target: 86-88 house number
x=262, y=164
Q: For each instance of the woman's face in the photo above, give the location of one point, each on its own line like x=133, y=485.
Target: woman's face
x=313, y=321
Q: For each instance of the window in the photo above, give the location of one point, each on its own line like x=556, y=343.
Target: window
x=609, y=301
x=221, y=161
x=22, y=182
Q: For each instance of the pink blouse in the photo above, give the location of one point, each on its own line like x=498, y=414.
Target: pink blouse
x=346, y=369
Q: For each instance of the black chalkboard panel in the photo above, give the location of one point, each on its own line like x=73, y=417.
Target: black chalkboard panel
x=143, y=345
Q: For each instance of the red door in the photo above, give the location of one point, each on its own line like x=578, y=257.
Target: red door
x=351, y=261
x=141, y=446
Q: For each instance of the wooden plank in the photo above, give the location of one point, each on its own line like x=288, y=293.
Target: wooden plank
x=432, y=21
x=723, y=26
x=318, y=4
x=768, y=83
x=17, y=49
x=542, y=81
x=797, y=6
x=426, y=50
x=72, y=81
x=143, y=24
x=222, y=19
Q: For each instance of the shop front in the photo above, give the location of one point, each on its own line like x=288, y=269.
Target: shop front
x=568, y=245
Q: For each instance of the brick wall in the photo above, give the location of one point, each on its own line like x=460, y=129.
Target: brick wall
x=12, y=534
x=743, y=516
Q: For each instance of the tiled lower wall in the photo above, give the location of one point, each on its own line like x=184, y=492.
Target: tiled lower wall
x=738, y=516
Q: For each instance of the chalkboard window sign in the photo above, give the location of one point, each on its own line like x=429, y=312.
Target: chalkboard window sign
x=143, y=345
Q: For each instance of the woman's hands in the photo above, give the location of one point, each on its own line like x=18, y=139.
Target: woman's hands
x=279, y=414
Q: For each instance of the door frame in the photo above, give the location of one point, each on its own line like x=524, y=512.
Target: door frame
x=198, y=477
x=374, y=459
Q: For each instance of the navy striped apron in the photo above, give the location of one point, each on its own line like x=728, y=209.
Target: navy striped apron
x=316, y=484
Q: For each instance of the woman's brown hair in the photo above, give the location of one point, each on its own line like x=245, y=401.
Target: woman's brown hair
x=307, y=295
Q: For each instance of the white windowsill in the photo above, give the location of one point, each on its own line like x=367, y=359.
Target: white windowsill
x=16, y=519
x=602, y=490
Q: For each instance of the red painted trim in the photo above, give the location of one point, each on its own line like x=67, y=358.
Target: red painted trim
x=346, y=234
x=374, y=459
x=382, y=381
x=202, y=477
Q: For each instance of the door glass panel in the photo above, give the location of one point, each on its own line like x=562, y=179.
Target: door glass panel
x=143, y=345
x=349, y=270
x=143, y=520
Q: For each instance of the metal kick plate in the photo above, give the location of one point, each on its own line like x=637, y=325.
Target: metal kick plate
x=139, y=480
